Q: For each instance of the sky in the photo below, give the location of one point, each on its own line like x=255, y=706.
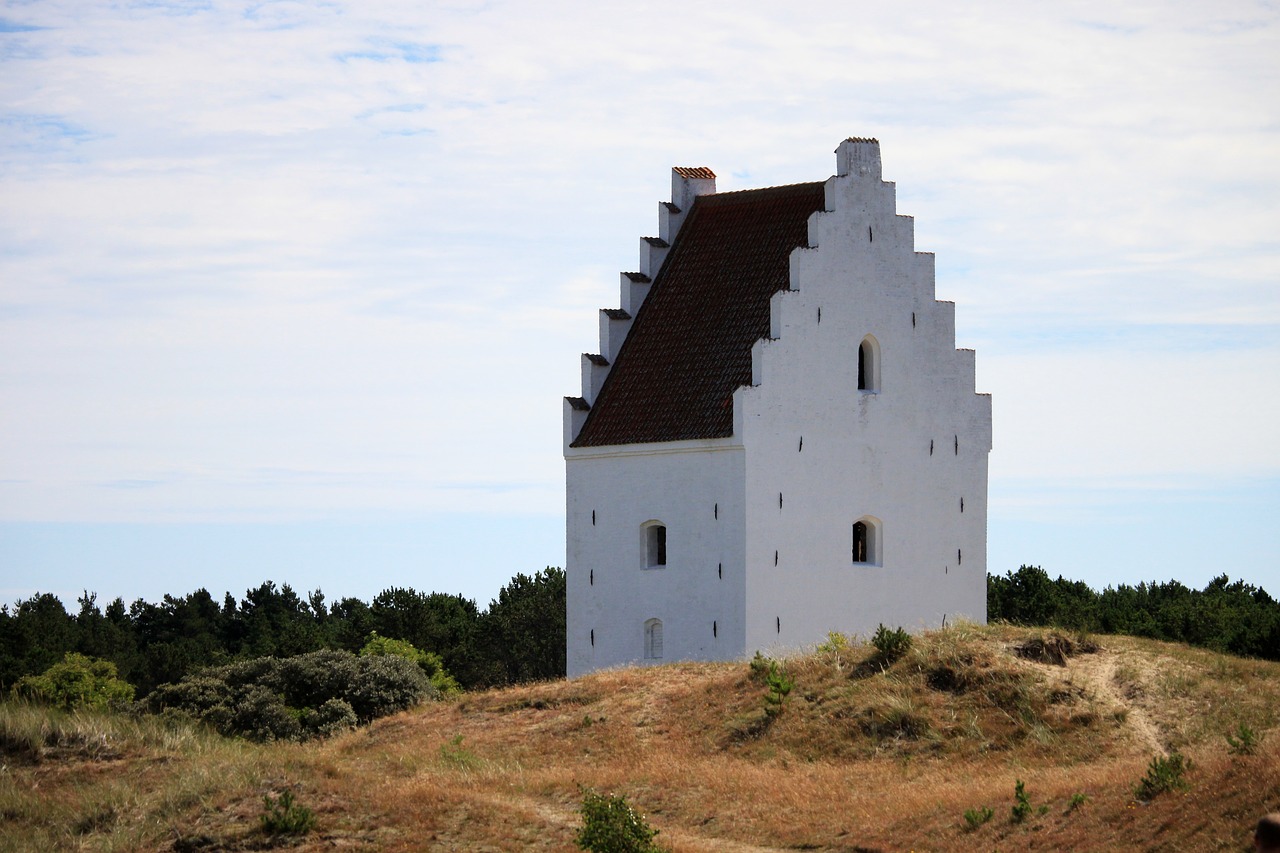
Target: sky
x=294, y=291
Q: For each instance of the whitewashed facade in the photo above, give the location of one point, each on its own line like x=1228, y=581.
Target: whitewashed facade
x=852, y=488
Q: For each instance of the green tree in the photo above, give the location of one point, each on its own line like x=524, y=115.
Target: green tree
x=522, y=634
x=434, y=622
x=430, y=662
x=77, y=681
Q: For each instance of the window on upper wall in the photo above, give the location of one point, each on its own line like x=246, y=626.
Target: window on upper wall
x=653, y=639
x=655, y=545
x=866, y=541
x=869, y=365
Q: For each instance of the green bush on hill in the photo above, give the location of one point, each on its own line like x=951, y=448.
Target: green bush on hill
x=75, y=682
x=296, y=698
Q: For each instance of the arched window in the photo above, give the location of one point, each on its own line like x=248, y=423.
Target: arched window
x=869, y=365
x=866, y=541
x=653, y=639
x=859, y=542
x=655, y=545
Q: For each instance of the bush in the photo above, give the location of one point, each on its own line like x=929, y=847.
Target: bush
x=306, y=696
x=284, y=816
x=780, y=686
x=1021, y=803
x=77, y=682
x=430, y=662
x=1244, y=741
x=974, y=818
x=1164, y=774
x=891, y=645
x=610, y=825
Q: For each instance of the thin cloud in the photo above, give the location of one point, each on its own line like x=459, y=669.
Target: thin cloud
x=299, y=260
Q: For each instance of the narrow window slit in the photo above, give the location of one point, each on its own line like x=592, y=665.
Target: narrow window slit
x=962, y=504
x=870, y=237
x=593, y=577
x=720, y=571
x=775, y=558
x=931, y=447
x=715, y=629
x=801, y=448
x=913, y=319
x=819, y=313
x=593, y=637
x=593, y=518
x=779, y=500
x=957, y=445
x=859, y=542
x=717, y=512
x=778, y=622
x=959, y=557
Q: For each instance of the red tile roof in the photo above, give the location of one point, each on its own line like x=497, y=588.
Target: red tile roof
x=694, y=172
x=689, y=347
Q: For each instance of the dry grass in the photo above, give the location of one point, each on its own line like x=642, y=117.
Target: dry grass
x=863, y=757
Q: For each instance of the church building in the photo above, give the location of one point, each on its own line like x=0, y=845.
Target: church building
x=778, y=437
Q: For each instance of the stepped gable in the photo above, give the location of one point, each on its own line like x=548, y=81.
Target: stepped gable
x=689, y=347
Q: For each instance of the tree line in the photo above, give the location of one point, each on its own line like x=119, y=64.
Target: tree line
x=1226, y=616
x=519, y=637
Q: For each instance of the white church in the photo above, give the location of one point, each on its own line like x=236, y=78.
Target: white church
x=778, y=437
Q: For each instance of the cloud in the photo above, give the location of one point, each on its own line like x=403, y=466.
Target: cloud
x=294, y=260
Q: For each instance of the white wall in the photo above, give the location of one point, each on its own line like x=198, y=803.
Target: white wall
x=864, y=454
x=695, y=488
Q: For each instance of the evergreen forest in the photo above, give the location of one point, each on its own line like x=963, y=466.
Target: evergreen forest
x=520, y=637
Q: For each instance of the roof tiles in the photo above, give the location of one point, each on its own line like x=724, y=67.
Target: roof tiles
x=689, y=347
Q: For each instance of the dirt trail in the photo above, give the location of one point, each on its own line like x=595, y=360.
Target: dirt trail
x=1099, y=671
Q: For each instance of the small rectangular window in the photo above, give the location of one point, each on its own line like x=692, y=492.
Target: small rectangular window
x=655, y=537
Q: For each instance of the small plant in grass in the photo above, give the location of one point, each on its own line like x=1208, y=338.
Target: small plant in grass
x=455, y=753
x=891, y=644
x=1077, y=800
x=1164, y=773
x=759, y=668
x=974, y=818
x=1244, y=741
x=610, y=825
x=285, y=816
x=1021, y=803
x=780, y=686
x=836, y=647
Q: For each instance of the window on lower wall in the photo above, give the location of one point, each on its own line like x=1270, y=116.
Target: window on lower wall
x=653, y=639
x=655, y=545
x=866, y=541
x=869, y=365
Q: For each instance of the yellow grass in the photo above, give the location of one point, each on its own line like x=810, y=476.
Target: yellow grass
x=861, y=758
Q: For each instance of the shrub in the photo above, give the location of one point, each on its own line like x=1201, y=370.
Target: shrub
x=780, y=686
x=610, y=825
x=331, y=718
x=1164, y=774
x=974, y=818
x=311, y=695
x=430, y=662
x=284, y=816
x=891, y=644
x=1021, y=803
x=1244, y=741
x=77, y=681
x=1077, y=800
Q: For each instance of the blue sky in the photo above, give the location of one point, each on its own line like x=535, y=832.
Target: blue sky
x=293, y=291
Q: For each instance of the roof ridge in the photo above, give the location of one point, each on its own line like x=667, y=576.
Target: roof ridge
x=759, y=190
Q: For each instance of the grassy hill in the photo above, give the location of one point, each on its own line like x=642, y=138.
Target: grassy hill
x=867, y=754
